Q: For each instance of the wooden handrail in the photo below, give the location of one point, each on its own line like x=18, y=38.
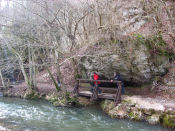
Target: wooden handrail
x=95, y=94
x=88, y=80
x=102, y=88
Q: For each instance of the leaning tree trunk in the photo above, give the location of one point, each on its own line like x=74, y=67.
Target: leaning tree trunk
x=53, y=79
x=56, y=59
x=75, y=68
x=2, y=79
x=20, y=60
x=32, y=69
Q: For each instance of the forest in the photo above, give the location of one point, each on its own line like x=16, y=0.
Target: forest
x=47, y=45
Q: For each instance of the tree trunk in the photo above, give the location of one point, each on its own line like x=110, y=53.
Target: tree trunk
x=53, y=79
x=22, y=67
x=58, y=67
x=2, y=79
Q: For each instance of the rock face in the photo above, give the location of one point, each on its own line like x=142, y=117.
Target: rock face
x=130, y=14
x=105, y=36
x=134, y=62
x=3, y=129
x=154, y=119
x=138, y=108
x=113, y=50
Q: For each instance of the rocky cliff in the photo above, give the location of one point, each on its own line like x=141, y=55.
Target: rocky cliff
x=124, y=36
x=132, y=59
x=127, y=41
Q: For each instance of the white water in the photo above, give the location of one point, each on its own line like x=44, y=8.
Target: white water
x=24, y=115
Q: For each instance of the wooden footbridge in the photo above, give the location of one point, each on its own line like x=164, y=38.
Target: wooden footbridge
x=93, y=91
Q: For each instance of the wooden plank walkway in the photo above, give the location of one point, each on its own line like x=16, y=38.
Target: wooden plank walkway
x=94, y=95
x=102, y=95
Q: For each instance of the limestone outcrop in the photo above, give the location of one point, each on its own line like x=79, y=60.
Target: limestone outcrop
x=126, y=42
x=152, y=110
x=132, y=60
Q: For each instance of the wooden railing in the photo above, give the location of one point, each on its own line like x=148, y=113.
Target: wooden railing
x=95, y=94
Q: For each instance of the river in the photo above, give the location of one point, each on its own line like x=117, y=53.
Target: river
x=26, y=115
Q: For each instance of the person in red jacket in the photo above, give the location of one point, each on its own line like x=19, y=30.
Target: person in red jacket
x=95, y=76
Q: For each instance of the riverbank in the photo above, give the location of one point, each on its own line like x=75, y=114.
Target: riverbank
x=49, y=94
x=152, y=110
x=31, y=115
x=155, y=106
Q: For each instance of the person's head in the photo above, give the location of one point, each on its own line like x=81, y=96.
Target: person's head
x=116, y=73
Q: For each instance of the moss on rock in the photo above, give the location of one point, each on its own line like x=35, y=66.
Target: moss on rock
x=169, y=121
x=135, y=115
x=55, y=100
x=31, y=94
x=136, y=108
x=83, y=101
x=154, y=119
x=62, y=100
x=107, y=105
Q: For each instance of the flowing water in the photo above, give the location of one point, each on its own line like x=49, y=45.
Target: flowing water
x=25, y=115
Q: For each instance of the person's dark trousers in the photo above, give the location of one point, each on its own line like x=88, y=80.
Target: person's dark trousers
x=92, y=90
x=99, y=91
x=123, y=89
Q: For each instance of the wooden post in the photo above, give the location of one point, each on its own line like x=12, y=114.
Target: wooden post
x=173, y=66
x=95, y=92
x=118, y=93
x=78, y=84
x=76, y=89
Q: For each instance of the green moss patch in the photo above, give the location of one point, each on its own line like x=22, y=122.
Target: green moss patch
x=135, y=115
x=169, y=121
x=30, y=94
x=155, y=44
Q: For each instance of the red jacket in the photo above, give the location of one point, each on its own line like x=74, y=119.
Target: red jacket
x=96, y=77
